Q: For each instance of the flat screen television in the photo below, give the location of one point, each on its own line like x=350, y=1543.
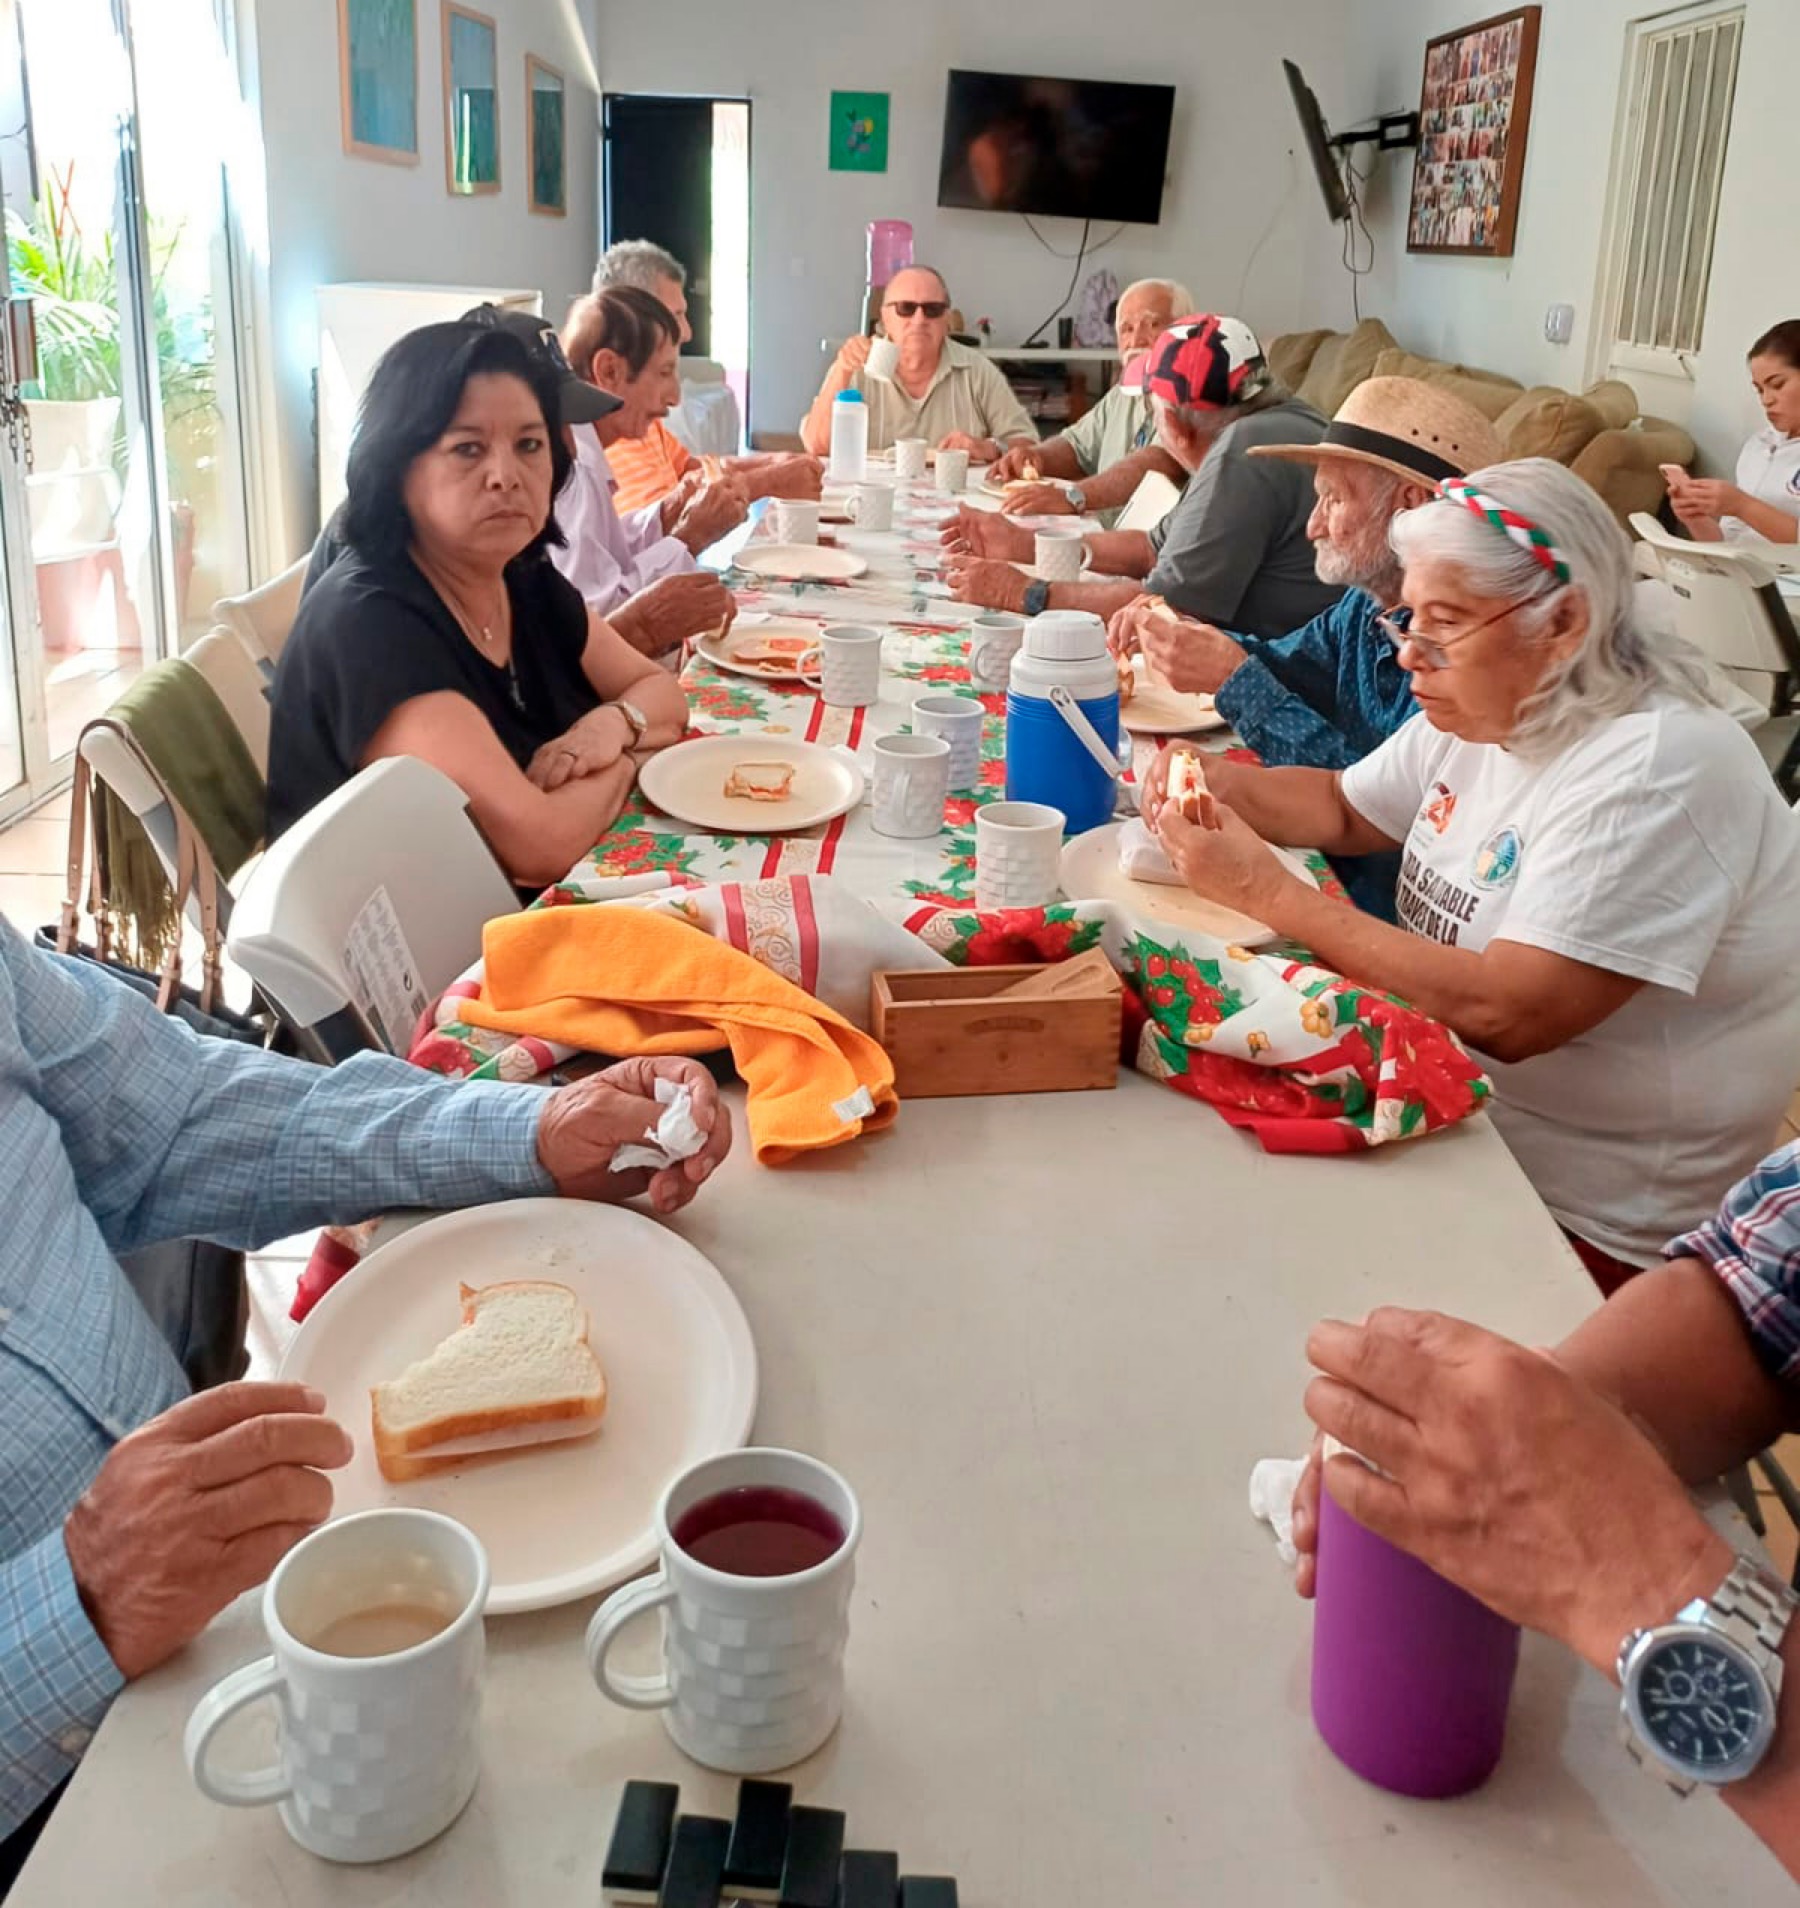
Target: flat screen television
x=1073, y=149
x=1318, y=144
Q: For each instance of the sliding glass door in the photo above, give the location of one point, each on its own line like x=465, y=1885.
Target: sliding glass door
x=121, y=459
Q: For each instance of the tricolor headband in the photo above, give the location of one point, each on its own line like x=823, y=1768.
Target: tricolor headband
x=1526, y=534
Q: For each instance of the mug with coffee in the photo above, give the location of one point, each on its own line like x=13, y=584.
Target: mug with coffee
x=375, y=1626
x=758, y=1555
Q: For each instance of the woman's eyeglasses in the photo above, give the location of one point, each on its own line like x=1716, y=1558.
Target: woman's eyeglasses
x=905, y=307
x=1434, y=650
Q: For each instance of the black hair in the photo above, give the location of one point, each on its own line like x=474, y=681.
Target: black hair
x=412, y=396
x=1781, y=341
x=621, y=319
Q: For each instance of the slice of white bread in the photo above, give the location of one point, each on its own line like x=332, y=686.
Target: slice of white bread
x=518, y=1371
x=1188, y=794
x=761, y=781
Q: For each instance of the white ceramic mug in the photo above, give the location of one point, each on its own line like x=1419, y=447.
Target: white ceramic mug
x=797, y=520
x=1058, y=555
x=910, y=781
x=958, y=720
x=1018, y=851
x=753, y=1666
x=884, y=358
x=952, y=471
x=909, y=458
x=378, y=1753
x=995, y=638
x=848, y=672
x=872, y=505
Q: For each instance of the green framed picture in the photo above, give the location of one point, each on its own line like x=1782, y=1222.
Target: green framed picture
x=378, y=79
x=546, y=163
x=471, y=101
x=859, y=132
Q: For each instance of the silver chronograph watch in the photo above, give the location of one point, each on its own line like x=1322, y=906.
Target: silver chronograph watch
x=1699, y=1692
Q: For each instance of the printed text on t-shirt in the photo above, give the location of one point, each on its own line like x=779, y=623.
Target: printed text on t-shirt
x=1430, y=904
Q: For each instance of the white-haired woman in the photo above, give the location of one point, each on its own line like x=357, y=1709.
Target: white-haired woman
x=1110, y=448
x=1600, y=886
x=1233, y=551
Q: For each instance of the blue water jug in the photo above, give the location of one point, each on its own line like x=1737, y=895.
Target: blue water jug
x=1047, y=760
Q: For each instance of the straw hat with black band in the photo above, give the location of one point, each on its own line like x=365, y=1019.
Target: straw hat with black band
x=1418, y=431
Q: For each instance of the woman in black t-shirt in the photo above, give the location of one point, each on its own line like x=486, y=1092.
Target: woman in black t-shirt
x=444, y=632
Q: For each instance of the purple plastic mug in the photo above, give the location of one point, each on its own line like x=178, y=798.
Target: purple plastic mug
x=1410, y=1675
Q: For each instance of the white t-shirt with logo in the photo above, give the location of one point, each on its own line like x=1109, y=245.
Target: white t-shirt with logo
x=1768, y=468
x=1655, y=846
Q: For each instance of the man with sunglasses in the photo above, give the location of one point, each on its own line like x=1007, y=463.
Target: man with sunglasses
x=948, y=393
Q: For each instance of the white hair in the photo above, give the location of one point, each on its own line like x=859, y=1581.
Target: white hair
x=1618, y=661
x=1179, y=296
x=639, y=263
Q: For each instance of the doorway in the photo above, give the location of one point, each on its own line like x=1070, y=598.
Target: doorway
x=122, y=472
x=677, y=172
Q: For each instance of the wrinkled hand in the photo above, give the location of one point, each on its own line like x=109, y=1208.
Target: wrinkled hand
x=1038, y=500
x=1013, y=463
x=982, y=450
x=585, y=1123
x=1231, y=863
x=985, y=533
x=714, y=509
x=1509, y=1477
x=1122, y=626
x=678, y=499
x=794, y=475
x=1306, y=1519
x=593, y=745
x=852, y=355
x=1194, y=658
x=195, y=1507
x=1222, y=777
x=983, y=580
x=667, y=612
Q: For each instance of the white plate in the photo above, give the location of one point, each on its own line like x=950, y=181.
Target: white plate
x=1090, y=872
x=1156, y=709
x=800, y=562
x=564, y=1520
x=720, y=648
x=688, y=782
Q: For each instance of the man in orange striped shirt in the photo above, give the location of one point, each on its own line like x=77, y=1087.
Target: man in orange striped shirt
x=648, y=468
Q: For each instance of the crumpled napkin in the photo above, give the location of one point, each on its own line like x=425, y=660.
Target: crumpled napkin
x=1141, y=857
x=1273, y=1482
x=674, y=1137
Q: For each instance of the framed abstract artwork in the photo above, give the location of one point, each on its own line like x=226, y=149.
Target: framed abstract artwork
x=1474, y=112
x=378, y=79
x=546, y=161
x=859, y=132
x=471, y=101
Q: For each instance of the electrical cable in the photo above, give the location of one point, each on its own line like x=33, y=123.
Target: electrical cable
x=1099, y=245
x=1354, y=181
x=1037, y=330
x=1268, y=231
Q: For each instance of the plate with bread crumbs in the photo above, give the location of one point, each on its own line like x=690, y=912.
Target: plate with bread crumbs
x=766, y=647
x=668, y=1358
x=752, y=783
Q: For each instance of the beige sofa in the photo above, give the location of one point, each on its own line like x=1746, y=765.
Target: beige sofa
x=1600, y=435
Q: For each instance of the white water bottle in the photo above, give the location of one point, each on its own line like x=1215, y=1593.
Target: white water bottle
x=849, y=438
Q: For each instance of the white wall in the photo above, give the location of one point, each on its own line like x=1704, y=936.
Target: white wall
x=1490, y=312
x=1233, y=179
x=331, y=217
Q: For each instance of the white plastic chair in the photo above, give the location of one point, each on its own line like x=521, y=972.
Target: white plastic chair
x=1726, y=601
x=1153, y=499
x=368, y=907
x=263, y=616
x=232, y=671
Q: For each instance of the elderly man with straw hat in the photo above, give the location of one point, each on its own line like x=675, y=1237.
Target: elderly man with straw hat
x=1329, y=693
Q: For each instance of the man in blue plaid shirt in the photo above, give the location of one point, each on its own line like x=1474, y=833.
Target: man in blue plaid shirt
x=131, y=1513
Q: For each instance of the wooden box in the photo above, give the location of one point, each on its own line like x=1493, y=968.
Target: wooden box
x=960, y=1030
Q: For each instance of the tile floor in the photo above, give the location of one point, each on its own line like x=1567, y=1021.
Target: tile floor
x=31, y=883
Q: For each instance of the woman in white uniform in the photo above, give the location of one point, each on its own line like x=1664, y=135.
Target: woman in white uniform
x=1765, y=499
x=1599, y=885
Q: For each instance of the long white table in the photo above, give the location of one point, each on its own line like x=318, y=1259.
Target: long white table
x=1046, y=1339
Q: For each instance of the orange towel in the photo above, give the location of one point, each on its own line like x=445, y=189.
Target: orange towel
x=618, y=980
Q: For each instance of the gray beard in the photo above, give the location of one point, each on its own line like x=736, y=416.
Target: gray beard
x=1380, y=576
